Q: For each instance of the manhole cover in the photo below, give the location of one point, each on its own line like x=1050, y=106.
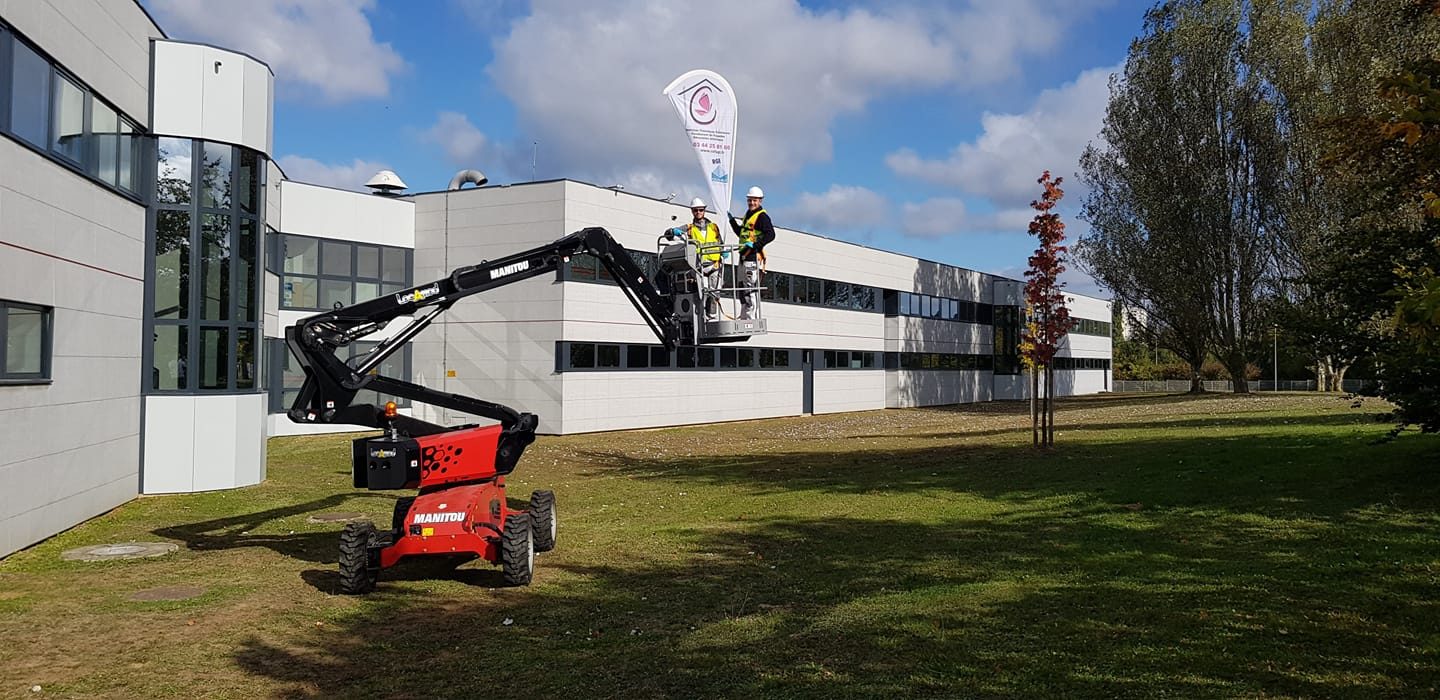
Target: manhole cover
x=335, y=517
x=168, y=593
x=121, y=550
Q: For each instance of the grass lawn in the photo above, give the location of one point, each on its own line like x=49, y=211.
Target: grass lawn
x=1170, y=546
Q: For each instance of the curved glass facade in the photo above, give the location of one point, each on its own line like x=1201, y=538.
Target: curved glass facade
x=206, y=234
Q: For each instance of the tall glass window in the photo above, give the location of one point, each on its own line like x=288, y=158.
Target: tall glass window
x=205, y=248
x=30, y=96
x=1007, y=339
x=105, y=125
x=67, y=123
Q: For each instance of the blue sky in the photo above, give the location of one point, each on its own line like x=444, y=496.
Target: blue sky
x=911, y=125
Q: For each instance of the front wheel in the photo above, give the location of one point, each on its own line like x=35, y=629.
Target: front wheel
x=358, y=569
x=542, y=519
x=517, y=550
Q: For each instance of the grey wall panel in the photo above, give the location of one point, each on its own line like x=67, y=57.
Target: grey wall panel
x=916, y=388
x=67, y=243
x=204, y=92
x=82, y=488
x=841, y=390
x=105, y=44
x=596, y=401
x=499, y=345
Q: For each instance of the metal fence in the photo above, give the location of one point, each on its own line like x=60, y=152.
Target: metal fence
x=1174, y=386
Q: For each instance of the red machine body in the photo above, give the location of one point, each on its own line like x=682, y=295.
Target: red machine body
x=452, y=521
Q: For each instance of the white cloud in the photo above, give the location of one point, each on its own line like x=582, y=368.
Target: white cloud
x=948, y=216
x=840, y=208
x=316, y=47
x=463, y=143
x=1003, y=162
x=933, y=218
x=346, y=177
x=585, y=79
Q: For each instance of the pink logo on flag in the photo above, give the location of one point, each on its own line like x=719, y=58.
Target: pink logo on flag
x=702, y=110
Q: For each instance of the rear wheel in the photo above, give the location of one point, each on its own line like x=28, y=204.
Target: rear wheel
x=358, y=570
x=542, y=520
x=517, y=550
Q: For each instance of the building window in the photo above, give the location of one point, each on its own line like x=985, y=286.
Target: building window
x=25, y=338
x=937, y=361
x=319, y=274
x=849, y=359
x=1007, y=339
x=1082, y=363
x=941, y=308
x=67, y=120
x=1086, y=326
x=30, y=76
x=62, y=118
x=572, y=356
x=205, y=277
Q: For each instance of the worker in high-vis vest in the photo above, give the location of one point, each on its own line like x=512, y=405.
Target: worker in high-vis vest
x=706, y=236
x=755, y=232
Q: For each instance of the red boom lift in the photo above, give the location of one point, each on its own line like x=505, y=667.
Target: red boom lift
x=460, y=470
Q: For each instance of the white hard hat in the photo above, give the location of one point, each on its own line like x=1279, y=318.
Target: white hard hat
x=755, y=192
x=697, y=203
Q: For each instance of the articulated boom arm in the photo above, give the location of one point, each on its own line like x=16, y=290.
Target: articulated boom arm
x=330, y=383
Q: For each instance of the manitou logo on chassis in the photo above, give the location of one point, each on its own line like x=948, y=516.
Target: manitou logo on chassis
x=510, y=269
x=426, y=518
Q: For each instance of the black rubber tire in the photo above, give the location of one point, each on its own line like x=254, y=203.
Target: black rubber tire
x=542, y=519
x=357, y=569
x=397, y=520
x=517, y=550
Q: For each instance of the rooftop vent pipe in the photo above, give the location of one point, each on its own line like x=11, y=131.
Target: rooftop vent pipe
x=465, y=176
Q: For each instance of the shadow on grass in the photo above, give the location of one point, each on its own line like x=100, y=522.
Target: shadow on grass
x=881, y=609
x=1270, y=566
x=240, y=530
x=1300, y=474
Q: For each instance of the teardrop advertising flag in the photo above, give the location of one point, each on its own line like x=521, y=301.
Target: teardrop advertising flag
x=706, y=106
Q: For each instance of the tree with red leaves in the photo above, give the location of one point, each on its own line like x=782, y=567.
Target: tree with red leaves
x=1049, y=319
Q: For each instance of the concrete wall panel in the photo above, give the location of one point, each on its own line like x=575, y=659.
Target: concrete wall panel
x=312, y=210
x=105, y=44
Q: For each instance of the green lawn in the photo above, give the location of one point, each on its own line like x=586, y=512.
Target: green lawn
x=1170, y=546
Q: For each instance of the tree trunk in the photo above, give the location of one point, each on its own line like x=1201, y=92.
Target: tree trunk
x=1196, y=387
x=1236, y=365
x=1329, y=374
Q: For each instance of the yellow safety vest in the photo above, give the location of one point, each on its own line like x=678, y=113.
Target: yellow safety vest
x=709, y=238
x=748, y=233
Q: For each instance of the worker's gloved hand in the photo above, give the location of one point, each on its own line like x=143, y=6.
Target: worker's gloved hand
x=676, y=232
x=724, y=255
x=748, y=245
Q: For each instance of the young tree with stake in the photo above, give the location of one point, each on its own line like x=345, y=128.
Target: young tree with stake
x=1049, y=319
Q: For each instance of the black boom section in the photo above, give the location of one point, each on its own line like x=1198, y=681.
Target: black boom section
x=331, y=383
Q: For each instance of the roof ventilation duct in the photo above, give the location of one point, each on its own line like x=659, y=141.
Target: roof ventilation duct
x=386, y=183
x=470, y=176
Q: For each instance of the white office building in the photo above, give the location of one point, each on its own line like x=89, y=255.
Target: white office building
x=153, y=254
